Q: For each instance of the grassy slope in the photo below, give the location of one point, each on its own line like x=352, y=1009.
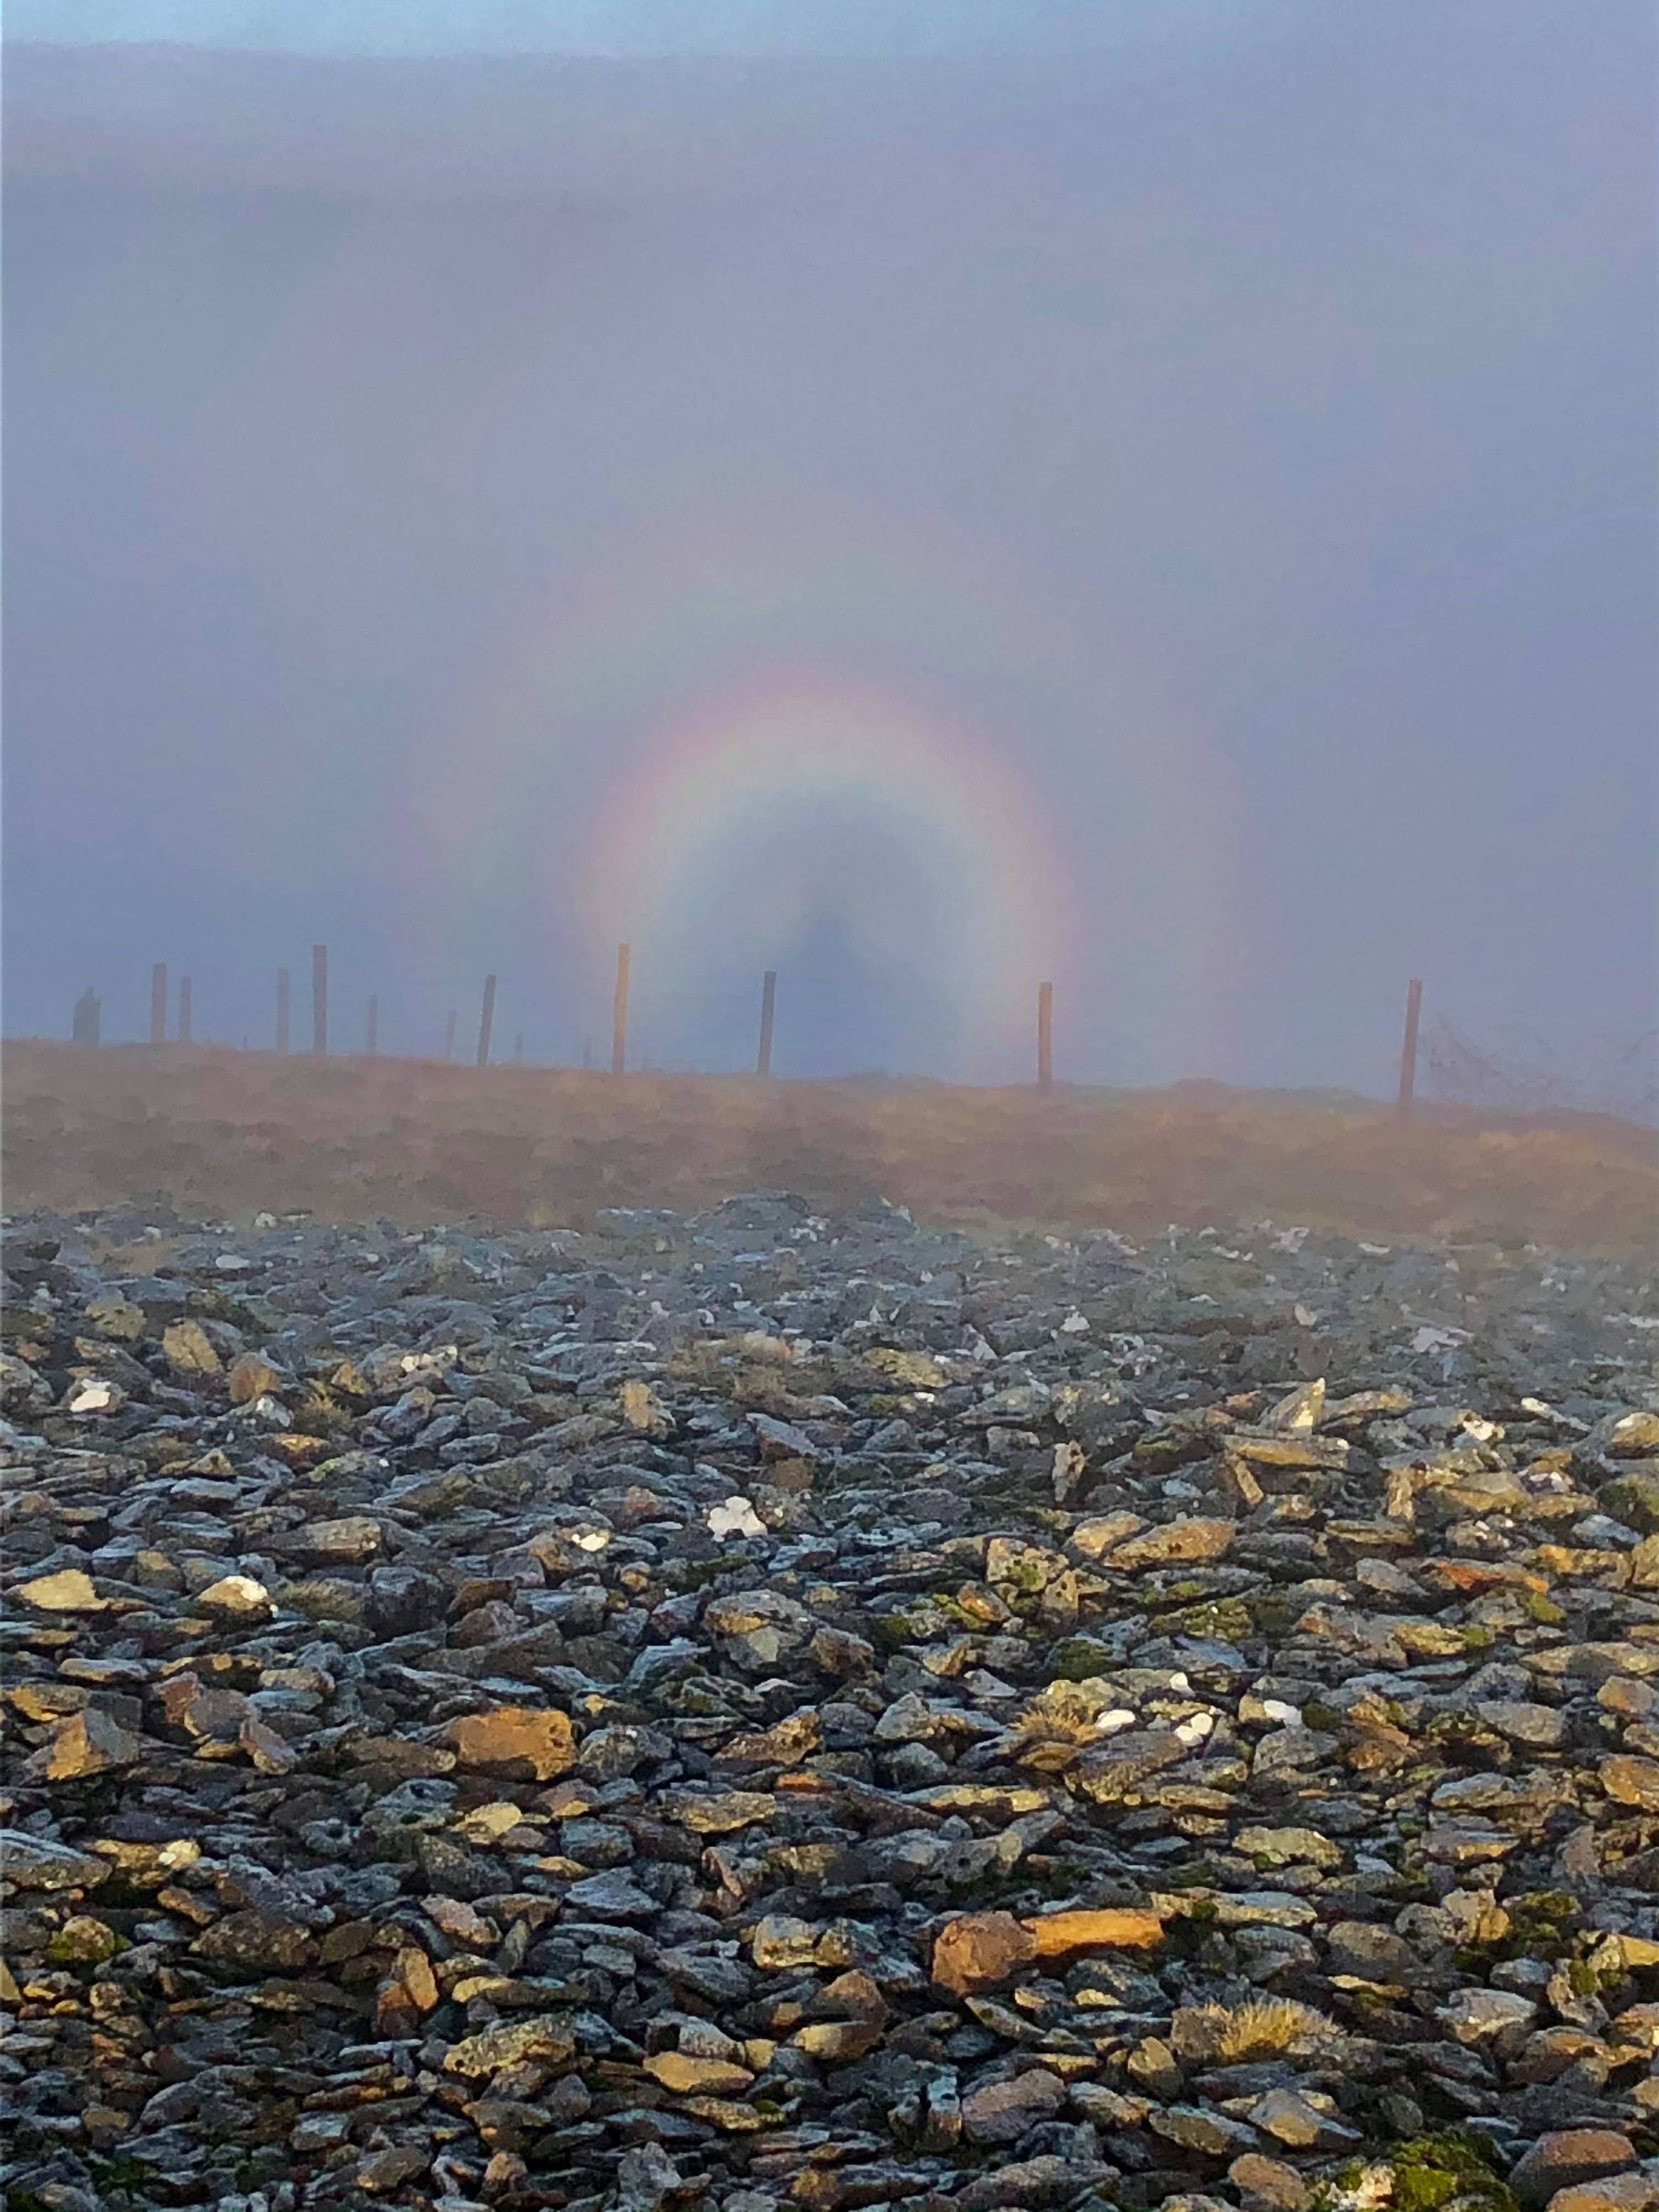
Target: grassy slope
x=235, y=1132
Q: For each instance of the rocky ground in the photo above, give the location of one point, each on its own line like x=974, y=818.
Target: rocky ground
x=760, y=1711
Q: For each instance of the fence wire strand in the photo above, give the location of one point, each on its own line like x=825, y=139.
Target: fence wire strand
x=1517, y=1072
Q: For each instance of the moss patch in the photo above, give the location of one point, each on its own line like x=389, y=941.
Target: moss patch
x=1544, y=1610
x=1082, y=1659
x=1228, y=1619
x=1541, y=1923
x=1431, y=2170
x=1424, y=2174
x=1633, y=1499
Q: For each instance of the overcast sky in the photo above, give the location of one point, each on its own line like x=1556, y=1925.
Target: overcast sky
x=1213, y=446
x=856, y=28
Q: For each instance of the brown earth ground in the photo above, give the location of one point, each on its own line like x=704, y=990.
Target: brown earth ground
x=232, y=1132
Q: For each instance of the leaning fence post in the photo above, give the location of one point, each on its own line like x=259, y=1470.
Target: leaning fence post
x=184, y=1009
x=619, y=1015
x=769, y=1008
x=1408, y=1050
x=1045, y=1036
x=158, y=1003
x=319, y=1001
x=281, y=1009
x=486, y=1021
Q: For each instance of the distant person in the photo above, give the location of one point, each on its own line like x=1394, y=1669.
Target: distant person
x=88, y=1012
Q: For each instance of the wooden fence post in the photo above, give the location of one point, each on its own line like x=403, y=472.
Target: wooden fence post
x=371, y=1027
x=449, y=1034
x=768, y=1009
x=1408, y=1050
x=619, y=1015
x=158, y=1003
x=486, y=1021
x=184, y=1009
x=517, y=1048
x=319, y=1001
x=281, y=1009
x=1045, y=1036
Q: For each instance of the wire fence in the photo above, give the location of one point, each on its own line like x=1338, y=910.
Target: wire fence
x=1509, y=1070
x=1518, y=1071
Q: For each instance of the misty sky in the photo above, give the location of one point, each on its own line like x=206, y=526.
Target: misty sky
x=1205, y=457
